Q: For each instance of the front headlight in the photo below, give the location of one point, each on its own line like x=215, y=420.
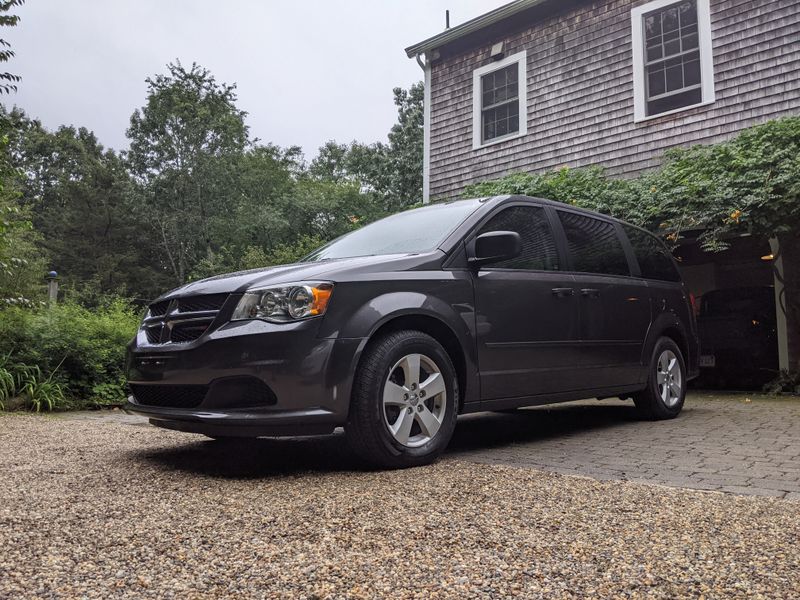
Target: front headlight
x=284, y=303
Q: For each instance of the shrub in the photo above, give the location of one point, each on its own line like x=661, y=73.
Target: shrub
x=77, y=350
x=587, y=188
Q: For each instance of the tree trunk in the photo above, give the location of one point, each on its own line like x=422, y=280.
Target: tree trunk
x=790, y=300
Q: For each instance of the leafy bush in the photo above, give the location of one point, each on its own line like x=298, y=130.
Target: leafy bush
x=72, y=349
x=590, y=188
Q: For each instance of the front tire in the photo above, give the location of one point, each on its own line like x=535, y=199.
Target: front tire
x=405, y=398
x=665, y=393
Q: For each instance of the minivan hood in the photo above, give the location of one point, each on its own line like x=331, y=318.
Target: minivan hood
x=326, y=269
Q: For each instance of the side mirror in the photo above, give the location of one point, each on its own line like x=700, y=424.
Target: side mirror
x=494, y=247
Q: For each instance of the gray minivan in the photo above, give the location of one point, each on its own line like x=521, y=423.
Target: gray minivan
x=393, y=330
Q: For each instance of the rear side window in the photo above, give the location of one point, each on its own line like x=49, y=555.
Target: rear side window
x=655, y=261
x=538, y=245
x=594, y=245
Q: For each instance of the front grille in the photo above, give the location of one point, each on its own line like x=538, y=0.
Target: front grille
x=240, y=392
x=154, y=334
x=187, y=332
x=202, y=303
x=169, y=396
x=182, y=320
x=159, y=309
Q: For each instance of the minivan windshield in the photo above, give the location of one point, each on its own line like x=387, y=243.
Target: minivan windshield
x=410, y=232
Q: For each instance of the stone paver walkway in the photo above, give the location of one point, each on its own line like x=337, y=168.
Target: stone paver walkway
x=737, y=443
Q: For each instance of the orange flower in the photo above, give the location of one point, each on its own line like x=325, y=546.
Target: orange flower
x=735, y=215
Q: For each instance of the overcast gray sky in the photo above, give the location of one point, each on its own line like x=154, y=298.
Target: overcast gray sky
x=307, y=71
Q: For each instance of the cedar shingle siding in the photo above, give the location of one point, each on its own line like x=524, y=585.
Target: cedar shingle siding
x=580, y=91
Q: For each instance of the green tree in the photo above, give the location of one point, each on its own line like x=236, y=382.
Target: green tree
x=185, y=144
x=22, y=265
x=82, y=201
x=8, y=81
x=391, y=172
x=405, y=152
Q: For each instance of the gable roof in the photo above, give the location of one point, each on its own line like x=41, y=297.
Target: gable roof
x=471, y=26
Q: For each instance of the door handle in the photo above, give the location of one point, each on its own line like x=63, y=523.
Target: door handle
x=590, y=293
x=563, y=292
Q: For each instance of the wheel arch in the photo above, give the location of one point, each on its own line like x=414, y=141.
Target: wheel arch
x=438, y=330
x=667, y=325
x=677, y=336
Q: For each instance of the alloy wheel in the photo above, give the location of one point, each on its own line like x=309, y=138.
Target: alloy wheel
x=414, y=400
x=669, y=378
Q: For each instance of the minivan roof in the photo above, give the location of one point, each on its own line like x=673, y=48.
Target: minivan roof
x=517, y=197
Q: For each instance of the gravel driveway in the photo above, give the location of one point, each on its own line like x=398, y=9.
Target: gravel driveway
x=103, y=509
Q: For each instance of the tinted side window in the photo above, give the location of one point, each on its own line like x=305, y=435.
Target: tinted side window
x=538, y=245
x=654, y=259
x=594, y=245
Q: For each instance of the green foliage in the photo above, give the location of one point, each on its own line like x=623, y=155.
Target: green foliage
x=285, y=254
x=748, y=184
x=21, y=263
x=109, y=393
x=8, y=382
x=79, y=349
x=26, y=383
x=290, y=226
x=82, y=205
x=40, y=393
x=391, y=172
x=194, y=196
x=6, y=53
x=185, y=144
x=587, y=188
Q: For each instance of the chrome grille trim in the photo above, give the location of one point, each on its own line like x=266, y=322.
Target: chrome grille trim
x=167, y=323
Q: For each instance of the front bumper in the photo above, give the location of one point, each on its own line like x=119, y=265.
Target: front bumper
x=308, y=378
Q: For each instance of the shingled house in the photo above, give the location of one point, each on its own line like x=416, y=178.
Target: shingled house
x=540, y=84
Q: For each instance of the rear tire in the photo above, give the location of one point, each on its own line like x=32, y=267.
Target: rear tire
x=404, y=405
x=665, y=393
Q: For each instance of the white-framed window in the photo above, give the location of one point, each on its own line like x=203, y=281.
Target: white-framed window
x=499, y=101
x=673, y=63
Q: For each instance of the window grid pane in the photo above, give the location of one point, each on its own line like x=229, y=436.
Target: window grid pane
x=500, y=102
x=672, y=58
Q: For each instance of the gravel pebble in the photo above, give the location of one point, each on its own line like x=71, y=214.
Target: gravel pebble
x=98, y=510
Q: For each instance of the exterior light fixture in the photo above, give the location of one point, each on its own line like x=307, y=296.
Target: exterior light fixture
x=497, y=51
